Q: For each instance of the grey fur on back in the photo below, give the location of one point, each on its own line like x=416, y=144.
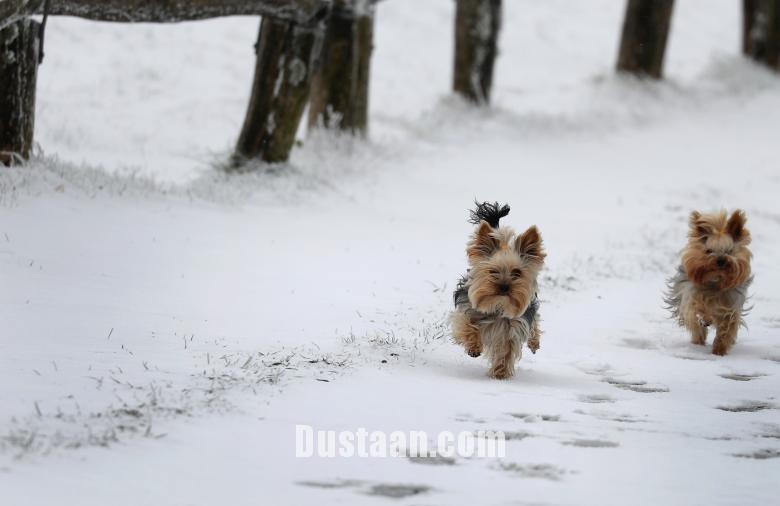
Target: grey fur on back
x=675, y=287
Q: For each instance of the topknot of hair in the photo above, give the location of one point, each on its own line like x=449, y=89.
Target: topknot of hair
x=489, y=212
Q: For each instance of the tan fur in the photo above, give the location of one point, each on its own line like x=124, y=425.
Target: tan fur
x=503, y=340
x=466, y=333
x=497, y=257
x=536, y=334
x=502, y=284
x=715, y=237
x=716, y=262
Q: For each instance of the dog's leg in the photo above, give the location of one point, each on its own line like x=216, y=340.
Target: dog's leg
x=727, y=334
x=691, y=318
x=698, y=329
x=536, y=334
x=505, y=356
x=466, y=334
x=506, y=349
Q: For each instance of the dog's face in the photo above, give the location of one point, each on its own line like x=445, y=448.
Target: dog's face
x=717, y=254
x=504, y=268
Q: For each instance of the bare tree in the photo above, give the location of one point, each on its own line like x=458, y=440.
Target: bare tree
x=287, y=57
x=761, y=31
x=645, y=32
x=477, y=25
x=340, y=91
x=19, y=49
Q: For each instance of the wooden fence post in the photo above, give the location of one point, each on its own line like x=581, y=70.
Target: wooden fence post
x=477, y=24
x=761, y=31
x=19, y=47
x=287, y=57
x=645, y=32
x=340, y=90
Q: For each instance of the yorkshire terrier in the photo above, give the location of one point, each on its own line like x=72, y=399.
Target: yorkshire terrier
x=496, y=302
x=710, y=287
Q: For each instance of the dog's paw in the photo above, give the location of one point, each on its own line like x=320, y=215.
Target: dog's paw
x=533, y=345
x=500, y=373
x=721, y=351
x=698, y=341
x=474, y=352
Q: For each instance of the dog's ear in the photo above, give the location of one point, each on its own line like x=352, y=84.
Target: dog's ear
x=482, y=244
x=735, y=227
x=700, y=228
x=529, y=245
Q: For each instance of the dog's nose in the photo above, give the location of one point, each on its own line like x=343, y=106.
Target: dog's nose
x=503, y=289
x=721, y=262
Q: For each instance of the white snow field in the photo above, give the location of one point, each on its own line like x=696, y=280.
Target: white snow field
x=165, y=326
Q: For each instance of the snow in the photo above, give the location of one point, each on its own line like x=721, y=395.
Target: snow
x=166, y=326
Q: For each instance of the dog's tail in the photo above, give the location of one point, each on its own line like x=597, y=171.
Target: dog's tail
x=489, y=212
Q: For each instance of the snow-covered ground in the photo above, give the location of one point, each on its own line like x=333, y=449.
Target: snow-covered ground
x=166, y=326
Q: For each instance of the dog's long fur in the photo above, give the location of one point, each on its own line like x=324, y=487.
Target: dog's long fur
x=496, y=303
x=710, y=286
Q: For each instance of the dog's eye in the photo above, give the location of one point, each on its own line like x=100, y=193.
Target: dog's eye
x=494, y=272
x=516, y=273
x=709, y=252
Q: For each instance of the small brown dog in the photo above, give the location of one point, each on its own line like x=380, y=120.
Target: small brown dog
x=496, y=306
x=711, y=285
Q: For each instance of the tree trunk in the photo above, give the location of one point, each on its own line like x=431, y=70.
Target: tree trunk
x=12, y=11
x=287, y=57
x=761, y=31
x=365, y=43
x=340, y=90
x=477, y=24
x=158, y=11
x=645, y=32
x=19, y=46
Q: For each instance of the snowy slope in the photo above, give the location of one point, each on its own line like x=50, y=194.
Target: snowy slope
x=165, y=326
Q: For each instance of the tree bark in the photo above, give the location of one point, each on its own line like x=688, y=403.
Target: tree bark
x=166, y=11
x=19, y=46
x=365, y=50
x=761, y=31
x=477, y=25
x=12, y=11
x=645, y=32
x=340, y=91
x=287, y=57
